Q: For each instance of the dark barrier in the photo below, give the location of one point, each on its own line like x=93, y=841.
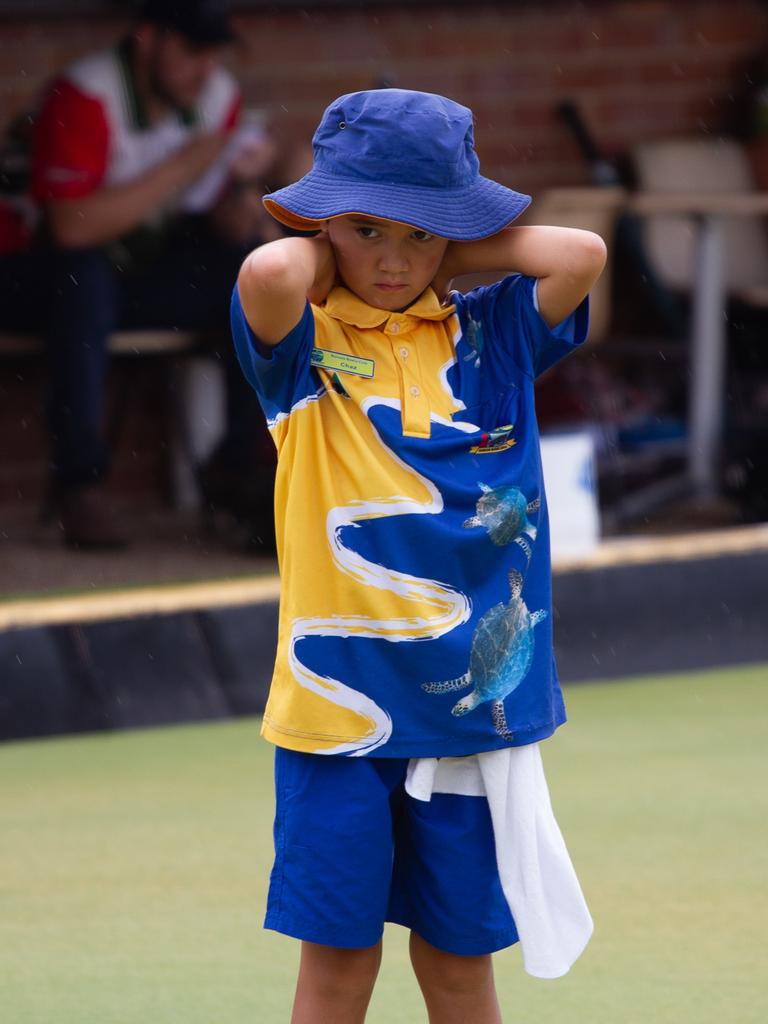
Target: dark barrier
x=153, y=670
x=126, y=673
x=662, y=617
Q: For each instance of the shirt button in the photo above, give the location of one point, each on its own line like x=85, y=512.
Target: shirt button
x=394, y=328
x=404, y=352
x=414, y=391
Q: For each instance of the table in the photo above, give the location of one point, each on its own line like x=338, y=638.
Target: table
x=708, y=324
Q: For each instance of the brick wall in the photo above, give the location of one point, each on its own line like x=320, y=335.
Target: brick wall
x=636, y=69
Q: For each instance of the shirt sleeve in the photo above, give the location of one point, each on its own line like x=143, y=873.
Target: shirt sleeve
x=519, y=332
x=71, y=144
x=282, y=375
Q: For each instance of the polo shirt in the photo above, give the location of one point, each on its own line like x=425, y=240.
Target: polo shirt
x=415, y=614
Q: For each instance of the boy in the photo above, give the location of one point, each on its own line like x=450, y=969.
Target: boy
x=412, y=538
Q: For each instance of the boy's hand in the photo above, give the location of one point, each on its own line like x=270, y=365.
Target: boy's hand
x=448, y=269
x=482, y=256
x=325, y=273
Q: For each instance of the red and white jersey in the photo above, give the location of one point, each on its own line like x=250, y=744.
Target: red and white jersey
x=92, y=133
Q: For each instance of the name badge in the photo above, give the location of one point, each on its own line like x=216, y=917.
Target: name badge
x=342, y=362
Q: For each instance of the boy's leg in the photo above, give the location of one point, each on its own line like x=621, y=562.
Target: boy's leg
x=331, y=877
x=334, y=985
x=446, y=890
x=456, y=989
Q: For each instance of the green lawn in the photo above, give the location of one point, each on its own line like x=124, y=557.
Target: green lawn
x=133, y=870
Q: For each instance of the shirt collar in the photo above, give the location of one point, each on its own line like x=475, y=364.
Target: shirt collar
x=344, y=305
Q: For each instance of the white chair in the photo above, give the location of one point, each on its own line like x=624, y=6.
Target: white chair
x=694, y=165
x=594, y=209
x=703, y=233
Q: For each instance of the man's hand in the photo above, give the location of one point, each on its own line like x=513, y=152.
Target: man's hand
x=253, y=162
x=197, y=155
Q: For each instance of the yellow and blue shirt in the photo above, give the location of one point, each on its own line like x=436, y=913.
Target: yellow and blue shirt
x=411, y=520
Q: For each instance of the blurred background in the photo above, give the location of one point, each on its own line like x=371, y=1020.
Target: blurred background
x=138, y=580
x=136, y=143
x=584, y=105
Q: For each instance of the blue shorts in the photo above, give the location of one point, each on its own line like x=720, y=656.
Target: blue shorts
x=353, y=850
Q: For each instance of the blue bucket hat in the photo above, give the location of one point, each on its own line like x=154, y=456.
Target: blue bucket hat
x=403, y=156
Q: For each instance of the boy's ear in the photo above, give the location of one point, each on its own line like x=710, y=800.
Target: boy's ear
x=323, y=227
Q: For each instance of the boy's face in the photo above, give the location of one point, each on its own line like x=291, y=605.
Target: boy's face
x=385, y=263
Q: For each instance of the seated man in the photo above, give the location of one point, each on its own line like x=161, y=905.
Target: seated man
x=136, y=161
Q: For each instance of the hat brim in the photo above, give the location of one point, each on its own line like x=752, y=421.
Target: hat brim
x=462, y=215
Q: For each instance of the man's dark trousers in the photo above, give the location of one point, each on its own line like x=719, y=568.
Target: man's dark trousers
x=187, y=286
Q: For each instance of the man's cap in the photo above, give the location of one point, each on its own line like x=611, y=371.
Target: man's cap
x=403, y=156
x=203, y=22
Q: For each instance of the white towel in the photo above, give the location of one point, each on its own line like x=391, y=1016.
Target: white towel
x=537, y=876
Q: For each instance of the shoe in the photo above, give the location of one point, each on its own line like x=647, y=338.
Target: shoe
x=87, y=519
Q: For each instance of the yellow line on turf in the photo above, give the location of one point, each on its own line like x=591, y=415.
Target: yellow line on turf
x=675, y=548
x=165, y=599
x=151, y=600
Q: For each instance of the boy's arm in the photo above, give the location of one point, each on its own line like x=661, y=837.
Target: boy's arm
x=276, y=280
x=566, y=261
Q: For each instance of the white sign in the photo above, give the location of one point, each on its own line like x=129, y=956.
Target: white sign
x=569, y=479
